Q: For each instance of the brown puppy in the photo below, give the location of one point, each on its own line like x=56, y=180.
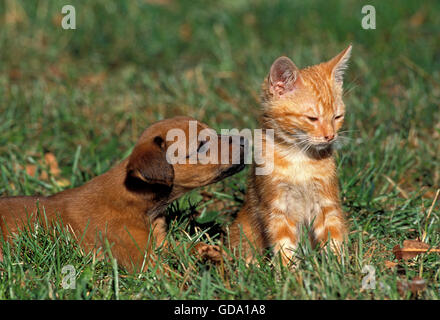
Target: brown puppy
x=126, y=205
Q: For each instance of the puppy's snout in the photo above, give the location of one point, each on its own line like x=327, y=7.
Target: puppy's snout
x=237, y=149
x=243, y=141
x=244, y=148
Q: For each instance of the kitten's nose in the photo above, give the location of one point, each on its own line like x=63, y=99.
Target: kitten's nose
x=329, y=137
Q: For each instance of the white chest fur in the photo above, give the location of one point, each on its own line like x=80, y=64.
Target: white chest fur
x=296, y=189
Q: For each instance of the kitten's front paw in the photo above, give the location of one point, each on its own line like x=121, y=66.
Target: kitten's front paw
x=286, y=258
x=336, y=247
x=208, y=252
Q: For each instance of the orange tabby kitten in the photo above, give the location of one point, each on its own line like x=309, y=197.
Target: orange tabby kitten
x=305, y=110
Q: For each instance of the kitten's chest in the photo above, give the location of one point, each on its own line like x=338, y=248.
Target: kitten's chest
x=298, y=184
x=300, y=202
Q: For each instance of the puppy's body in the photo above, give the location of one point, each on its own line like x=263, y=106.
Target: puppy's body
x=124, y=205
x=102, y=205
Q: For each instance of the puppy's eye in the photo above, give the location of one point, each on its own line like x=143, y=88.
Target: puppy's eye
x=159, y=141
x=339, y=116
x=200, y=148
x=312, y=119
x=201, y=144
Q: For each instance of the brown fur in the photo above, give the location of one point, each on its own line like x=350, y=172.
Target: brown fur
x=126, y=204
x=305, y=110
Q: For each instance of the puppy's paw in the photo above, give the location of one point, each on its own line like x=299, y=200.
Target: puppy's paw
x=208, y=252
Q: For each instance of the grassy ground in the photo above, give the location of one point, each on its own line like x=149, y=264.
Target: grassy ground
x=85, y=95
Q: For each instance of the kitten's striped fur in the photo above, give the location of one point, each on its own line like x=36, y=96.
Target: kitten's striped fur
x=305, y=109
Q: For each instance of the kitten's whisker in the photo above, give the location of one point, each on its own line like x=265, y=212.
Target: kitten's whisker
x=342, y=141
x=346, y=92
x=346, y=131
x=351, y=86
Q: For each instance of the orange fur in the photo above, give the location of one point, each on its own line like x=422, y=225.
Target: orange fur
x=305, y=110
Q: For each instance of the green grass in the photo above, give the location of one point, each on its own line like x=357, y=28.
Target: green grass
x=85, y=95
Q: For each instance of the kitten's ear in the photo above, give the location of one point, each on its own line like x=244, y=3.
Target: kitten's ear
x=338, y=64
x=283, y=76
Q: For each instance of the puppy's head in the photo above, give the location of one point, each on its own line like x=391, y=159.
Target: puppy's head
x=182, y=153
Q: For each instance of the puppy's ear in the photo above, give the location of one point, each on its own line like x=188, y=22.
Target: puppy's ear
x=148, y=162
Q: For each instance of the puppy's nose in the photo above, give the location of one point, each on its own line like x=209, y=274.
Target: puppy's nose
x=242, y=140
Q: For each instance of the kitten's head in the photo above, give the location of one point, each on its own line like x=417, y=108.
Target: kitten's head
x=305, y=107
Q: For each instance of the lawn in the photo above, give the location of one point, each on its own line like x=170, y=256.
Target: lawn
x=77, y=100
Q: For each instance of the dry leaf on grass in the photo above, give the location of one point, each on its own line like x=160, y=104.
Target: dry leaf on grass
x=390, y=264
x=415, y=285
x=412, y=248
x=418, y=18
x=51, y=163
x=62, y=182
x=93, y=79
x=31, y=169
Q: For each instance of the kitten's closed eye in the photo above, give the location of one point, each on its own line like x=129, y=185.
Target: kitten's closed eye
x=313, y=119
x=339, y=116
